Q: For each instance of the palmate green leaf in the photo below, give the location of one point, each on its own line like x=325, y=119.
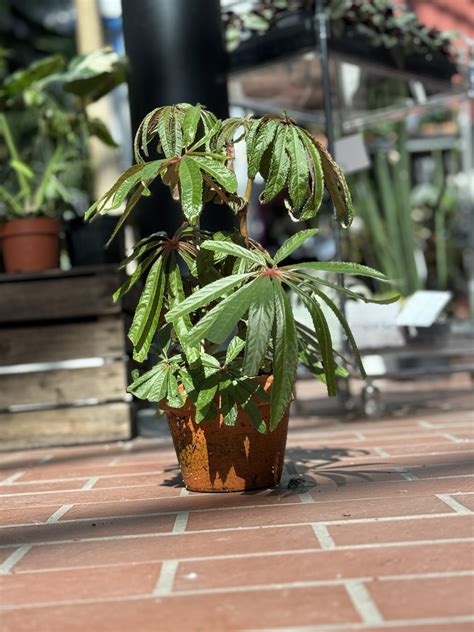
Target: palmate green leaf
x=264, y=136
x=337, y=186
x=293, y=243
x=141, y=268
x=299, y=173
x=151, y=385
x=177, y=122
x=218, y=172
x=340, y=267
x=148, y=311
x=175, y=297
x=190, y=123
x=313, y=204
x=190, y=189
x=279, y=166
x=234, y=250
x=259, y=326
x=323, y=335
x=205, y=295
x=221, y=320
x=285, y=356
x=228, y=130
x=211, y=126
x=251, y=135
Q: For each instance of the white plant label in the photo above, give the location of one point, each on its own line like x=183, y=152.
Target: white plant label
x=374, y=326
x=423, y=308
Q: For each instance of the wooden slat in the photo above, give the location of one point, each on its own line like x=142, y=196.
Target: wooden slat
x=103, y=338
x=103, y=383
x=65, y=426
x=58, y=298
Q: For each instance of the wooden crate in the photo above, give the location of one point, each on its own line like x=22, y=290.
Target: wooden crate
x=63, y=362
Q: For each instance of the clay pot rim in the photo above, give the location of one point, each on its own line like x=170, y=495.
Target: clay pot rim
x=189, y=406
x=31, y=225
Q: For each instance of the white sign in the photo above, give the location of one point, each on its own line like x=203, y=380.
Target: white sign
x=351, y=153
x=423, y=308
x=374, y=326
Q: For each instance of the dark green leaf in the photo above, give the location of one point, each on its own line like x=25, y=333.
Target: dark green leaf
x=228, y=403
x=99, y=129
x=235, y=347
x=244, y=393
x=181, y=325
x=279, y=166
x=285, y=356
x=190, y=123
x=141, y=268
x=299, y=173
x=259, y=326
x=148, y=311
x=264, y=136
x=317, y=177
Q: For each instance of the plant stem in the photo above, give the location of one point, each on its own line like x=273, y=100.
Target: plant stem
x=22, y=180
x=242, y=214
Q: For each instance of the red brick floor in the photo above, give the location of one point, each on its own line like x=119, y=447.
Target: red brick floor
x=378, y=536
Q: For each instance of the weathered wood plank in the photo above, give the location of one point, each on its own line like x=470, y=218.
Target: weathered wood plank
x=103, y=338
x=67, y=386
x=65, y=426
x=58, y=298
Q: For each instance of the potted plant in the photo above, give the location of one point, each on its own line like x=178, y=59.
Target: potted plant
x=215, y=306
x=44, y=128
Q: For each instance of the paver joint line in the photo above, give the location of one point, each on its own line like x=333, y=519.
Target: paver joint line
x=363, y=602
x=323, y=536
x=15, y=557
x=11, y=479
x=164, y=585
x=58, y=514
x=89, y=484
x=458, y=507
x=181, y=522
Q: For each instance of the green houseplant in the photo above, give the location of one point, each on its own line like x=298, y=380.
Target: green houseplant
x=44, y=128
x=216, y=304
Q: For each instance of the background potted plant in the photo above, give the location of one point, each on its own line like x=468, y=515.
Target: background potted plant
x=216, y=305
x=44, y=127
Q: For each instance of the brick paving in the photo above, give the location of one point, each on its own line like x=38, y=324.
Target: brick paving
x=377, y=536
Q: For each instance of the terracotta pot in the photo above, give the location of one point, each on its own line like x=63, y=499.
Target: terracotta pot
x=30, y=244
x=217, y=458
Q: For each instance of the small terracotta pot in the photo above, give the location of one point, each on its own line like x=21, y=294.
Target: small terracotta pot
x=30, y=244
x=217, y=458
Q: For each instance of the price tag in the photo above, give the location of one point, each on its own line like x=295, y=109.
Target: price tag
x=423, y=308
x=374, y=326
x=351, y=153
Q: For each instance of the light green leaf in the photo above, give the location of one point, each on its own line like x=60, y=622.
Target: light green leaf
x=141, y=268
x=339, y=267
x=190, y=123
x=235, y=347
x=218, y=171
x=205, y=295
x=148, y=311
x=311, y=280
x=190, y=188
x=234, y=250
x=299, y=172
x=218, y=324
x=293, y=243
x=152, y=385
x=165, y=129
x=259, y=326
x=228, y=403
x=279, y=166
x=285, y=356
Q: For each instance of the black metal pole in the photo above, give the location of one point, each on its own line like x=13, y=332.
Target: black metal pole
x=176, y=54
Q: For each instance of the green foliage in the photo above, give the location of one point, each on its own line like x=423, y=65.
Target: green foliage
x=217, y=305
x=44, y=128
